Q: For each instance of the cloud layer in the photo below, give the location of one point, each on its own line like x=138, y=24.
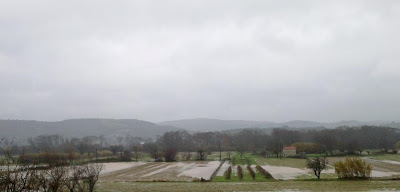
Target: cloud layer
x=159, y=60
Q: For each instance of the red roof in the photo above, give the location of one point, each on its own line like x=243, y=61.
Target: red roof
x=289, y=148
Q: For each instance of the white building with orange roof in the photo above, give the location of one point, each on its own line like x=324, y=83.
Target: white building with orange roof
x=289, y=151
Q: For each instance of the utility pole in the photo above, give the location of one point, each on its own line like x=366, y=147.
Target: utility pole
x=155, y=154
x=219, y=147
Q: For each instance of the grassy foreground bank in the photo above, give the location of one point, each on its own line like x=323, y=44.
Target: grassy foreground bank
x=313, y=185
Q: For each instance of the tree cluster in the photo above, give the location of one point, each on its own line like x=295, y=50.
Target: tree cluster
x=350, y=140
x=344, y=139
x=16, y=175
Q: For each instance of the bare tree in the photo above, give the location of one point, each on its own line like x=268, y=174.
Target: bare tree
x=169, y=154
x=317, y=164
x=186, y=156
x=201, y=155
x=116, y=149
x=242, y=142
x=152, y=149
x=74, y=175
x=14, y=177
x=90, y=175
x=137, y=151
x=126, y=155
x=6, y=149
x=229, y=155
x=56, y=177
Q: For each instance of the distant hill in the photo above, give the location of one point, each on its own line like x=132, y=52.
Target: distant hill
x=22, y=129
x=301, y=124
x=82, y=127
x=204, y=124
x=393, y=124
x=269, y=130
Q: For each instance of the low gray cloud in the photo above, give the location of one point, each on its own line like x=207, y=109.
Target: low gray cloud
x=164, y=60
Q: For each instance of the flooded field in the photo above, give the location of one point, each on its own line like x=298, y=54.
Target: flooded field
x=223, y=168
x=284, y=173
x=288, y=169
x=159, y=171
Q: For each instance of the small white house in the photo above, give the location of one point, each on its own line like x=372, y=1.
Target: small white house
x=289, y=151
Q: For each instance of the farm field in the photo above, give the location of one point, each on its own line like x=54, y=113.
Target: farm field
x=159, y=171
x=380, y=168
x=289, y=174
x=284, y=162
x=390, y=157
x=288, y=169
x=246, y=175
x=323, y=185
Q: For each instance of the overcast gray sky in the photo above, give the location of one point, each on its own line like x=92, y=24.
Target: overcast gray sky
x=165, y=60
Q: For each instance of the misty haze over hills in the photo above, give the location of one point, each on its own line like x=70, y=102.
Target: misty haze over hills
x=82, y=127
x=205, y=124
x=120, y=127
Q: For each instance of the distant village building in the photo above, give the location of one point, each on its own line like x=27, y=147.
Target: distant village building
x=289, y=151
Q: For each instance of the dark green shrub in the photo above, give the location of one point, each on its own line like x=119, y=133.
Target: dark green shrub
x=228, y=173
x=251, y=172
x=240, y=172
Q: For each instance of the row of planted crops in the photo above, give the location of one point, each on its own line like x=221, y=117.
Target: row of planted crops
x=245, y=173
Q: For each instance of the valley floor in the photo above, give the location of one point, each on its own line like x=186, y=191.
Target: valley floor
x=290, y=174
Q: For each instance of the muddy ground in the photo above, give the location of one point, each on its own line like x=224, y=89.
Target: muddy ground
x=162, y=171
